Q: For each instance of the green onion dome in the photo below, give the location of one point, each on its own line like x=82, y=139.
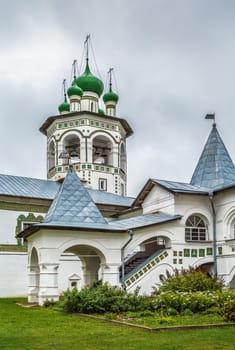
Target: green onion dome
x=74, y=90
x=100, y=111
x=64, y=107
x=88, y=82
x=110, y=96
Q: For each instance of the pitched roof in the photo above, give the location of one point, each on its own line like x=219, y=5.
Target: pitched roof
x=11, y=185
x=143, y=220
x=180, y=187
x=215, y=166
x=73, y=205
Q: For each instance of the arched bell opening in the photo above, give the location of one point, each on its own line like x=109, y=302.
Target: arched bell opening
x=102, y=150
x=71, y=149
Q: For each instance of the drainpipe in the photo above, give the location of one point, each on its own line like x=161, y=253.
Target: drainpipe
x=211, y=196
x=131, y=233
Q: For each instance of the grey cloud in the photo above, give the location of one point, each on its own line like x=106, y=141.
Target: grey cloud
x=174, y=62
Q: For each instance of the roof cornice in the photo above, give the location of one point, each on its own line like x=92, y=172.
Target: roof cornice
x=51, y=119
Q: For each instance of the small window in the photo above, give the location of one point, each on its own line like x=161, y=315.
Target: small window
x=102, y=184
x=195, y=229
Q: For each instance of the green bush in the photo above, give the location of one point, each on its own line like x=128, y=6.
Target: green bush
x=102, y=298
x=196, y=302
x=229, y=311
x=192, y=280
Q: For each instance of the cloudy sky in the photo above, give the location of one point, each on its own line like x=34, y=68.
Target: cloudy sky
x=174, y=62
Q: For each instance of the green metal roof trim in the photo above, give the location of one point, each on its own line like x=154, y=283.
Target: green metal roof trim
x=20, y=186
x=215, y=167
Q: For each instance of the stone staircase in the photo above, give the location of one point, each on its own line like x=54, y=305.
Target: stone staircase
x=138, y=266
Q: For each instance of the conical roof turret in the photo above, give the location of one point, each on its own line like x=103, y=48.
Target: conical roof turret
x=73, y=206
x=215, y=167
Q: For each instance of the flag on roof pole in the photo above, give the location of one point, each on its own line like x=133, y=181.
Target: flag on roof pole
x=210, y=116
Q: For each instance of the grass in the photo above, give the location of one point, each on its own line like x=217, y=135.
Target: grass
x=40, y=328
x=156, y=321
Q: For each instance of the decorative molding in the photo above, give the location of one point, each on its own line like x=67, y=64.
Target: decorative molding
x=13, y=248
x=31, y=218
x=24, y=207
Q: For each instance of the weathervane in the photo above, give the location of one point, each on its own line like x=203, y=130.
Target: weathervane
x=212, y=117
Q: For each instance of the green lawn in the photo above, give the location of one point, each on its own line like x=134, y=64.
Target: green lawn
x=168, y=321
x=40, y=328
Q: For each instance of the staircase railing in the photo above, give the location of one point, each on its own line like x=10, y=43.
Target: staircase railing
x=145, y=267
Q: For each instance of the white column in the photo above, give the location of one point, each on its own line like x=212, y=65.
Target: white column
x=48, y=289
x=83, y=150
x=110, y=272
x=115, y=155
x=89, y=151
x=33, y=283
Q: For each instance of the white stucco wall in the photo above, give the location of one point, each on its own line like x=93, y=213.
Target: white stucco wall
x=8, y=222
x=13, y=274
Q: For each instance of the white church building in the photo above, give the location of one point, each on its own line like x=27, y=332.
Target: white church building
x=79, y=226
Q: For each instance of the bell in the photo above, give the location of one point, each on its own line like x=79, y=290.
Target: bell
x=73, y=154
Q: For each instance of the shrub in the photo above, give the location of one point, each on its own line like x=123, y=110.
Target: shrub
x=102, y=298
x=50, y=303
x=192, y=280
x=195, y=302
x=229, y=311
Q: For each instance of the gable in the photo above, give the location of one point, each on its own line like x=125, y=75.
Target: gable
x=159, y=199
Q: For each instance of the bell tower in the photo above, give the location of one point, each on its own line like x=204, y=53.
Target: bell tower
x=83, y=134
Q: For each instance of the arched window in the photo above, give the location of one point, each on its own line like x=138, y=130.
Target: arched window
x=195, y=229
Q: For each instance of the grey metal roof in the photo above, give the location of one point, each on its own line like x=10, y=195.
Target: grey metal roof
x=215, y=166
x=102, y=197
x=112, y=226
x=46, y=189
x=73, y=205
x=181, y=187
x=27, y=187
x=143, y=220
